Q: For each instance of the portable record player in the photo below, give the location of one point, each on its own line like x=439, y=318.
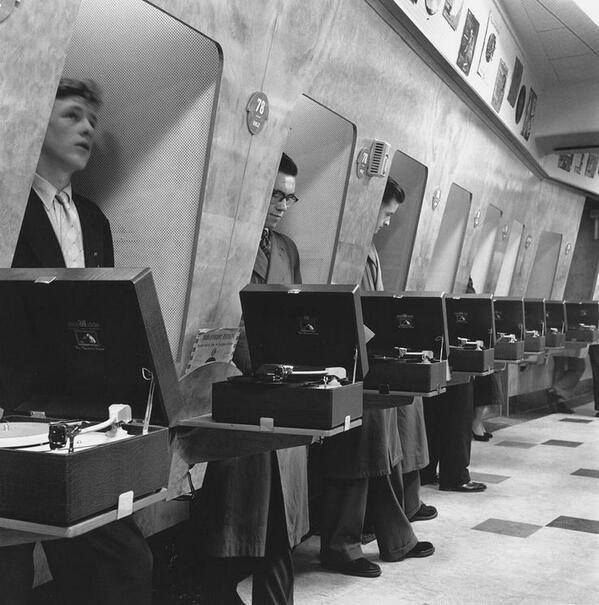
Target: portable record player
x=509, y=326
x=534, y=325
x=408, y=351
x=582, y=321
x=471, y=332
x=555, y=321
x=307, y=352
x=75, y=342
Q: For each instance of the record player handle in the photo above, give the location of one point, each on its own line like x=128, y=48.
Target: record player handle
x=148, y=375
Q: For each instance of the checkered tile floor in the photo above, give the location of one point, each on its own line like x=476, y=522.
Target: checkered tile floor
x=530, y=538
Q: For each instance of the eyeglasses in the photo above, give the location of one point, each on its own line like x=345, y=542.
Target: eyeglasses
x=279, y=196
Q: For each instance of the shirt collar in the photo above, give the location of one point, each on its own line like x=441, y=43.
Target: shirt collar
x=47, y=192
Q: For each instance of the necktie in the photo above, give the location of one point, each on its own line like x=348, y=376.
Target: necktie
x=70, y=235
x=265, y=241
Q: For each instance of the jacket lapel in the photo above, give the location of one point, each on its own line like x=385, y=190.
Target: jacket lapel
x=37, y=231
x=91, y=232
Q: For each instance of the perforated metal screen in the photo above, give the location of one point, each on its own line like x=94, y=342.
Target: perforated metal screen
x=159, y=79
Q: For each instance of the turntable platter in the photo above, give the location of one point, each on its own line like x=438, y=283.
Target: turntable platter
x=22, y=434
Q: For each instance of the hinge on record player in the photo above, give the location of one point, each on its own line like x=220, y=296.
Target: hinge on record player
x=44, y=279
x=36, y=414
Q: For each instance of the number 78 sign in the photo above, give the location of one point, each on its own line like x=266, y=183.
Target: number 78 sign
x=257, y=110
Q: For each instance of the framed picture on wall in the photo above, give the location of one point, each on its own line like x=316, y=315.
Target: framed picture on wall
x=452, y=11
x=512, y=95
x=500, y=82
x=520, y=103
x=468, y=43
x=591, y=167
x=432, y=6
x=488, y=53
x=564, y=161
x=529, y=115
x=579, y=162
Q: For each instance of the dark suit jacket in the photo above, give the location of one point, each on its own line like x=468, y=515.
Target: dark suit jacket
x=37, y=245
x=284, y=264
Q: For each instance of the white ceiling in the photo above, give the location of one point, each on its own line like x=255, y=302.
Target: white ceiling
x=559, y=39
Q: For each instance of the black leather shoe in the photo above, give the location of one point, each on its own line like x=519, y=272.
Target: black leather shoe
x=471, y=486
x=361, y=567
x=480, y=437
x=562, y=408
x=422, y=549
x=425, y=513
x=488, y=435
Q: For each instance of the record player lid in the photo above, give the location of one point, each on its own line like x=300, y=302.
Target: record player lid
x=555, y=313
x=534, y=314
x=75, y=341
x=470, y=316
x=509, y=315
x=583, y=312
x=414, y=320
x=310, y=325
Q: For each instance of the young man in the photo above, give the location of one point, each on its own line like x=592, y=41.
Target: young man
x=362, y=469
x=112, y=564
x=256, y=507
x=60, y=228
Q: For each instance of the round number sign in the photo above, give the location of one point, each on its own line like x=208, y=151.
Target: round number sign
x=257, y=110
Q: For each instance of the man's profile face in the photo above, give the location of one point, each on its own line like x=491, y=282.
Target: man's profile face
x=69, y=138
x=386, y=211
x=284, y=186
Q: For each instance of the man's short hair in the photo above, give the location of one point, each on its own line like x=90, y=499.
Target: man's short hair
x=393, y=191
x=287, y=165
x=87, y=89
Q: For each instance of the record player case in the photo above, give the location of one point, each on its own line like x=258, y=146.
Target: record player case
x=309, y=325
x=509, y=319
x=409, y=320
x=555, y=320
x=470, y=316
x=50, y=369
x=534, y=319
x=582, y=313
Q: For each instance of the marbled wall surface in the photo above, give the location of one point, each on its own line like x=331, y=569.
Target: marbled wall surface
x=33, y=43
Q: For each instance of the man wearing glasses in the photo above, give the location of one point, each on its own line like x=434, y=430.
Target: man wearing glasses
x=256, y=507
x=277, y=261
